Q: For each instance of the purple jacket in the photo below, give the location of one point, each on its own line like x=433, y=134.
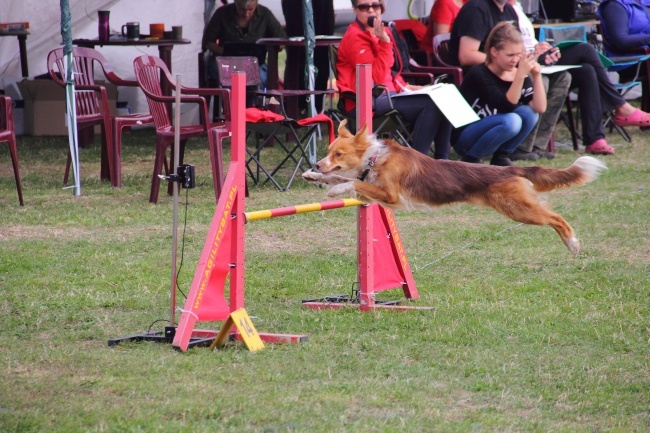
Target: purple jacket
x=626, y=23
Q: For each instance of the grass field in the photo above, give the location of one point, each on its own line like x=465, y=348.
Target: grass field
x=523, y=337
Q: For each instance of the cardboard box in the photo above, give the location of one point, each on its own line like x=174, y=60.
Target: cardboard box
x=45, y=106
x=10, y=86
x=18, y=106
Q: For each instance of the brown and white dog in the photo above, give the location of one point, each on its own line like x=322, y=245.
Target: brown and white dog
x=398, y=177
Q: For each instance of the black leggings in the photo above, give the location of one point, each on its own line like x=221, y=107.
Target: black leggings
x=429, y=124
x=597, y=94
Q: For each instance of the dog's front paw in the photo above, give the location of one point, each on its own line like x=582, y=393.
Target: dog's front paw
x=346, y=189
x=312, y=176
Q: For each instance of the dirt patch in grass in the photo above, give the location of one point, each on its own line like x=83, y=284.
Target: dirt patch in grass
x=19, y=232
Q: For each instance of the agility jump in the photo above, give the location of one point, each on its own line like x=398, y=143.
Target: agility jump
x=304, y=208
x=382, y=262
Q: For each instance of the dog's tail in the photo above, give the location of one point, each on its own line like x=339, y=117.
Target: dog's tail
x=583, y=170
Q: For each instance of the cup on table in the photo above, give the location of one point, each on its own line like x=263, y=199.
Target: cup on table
x=168, y=35
x=104, y=28
x=157, y=30
x=177, y=32
x=132, y=31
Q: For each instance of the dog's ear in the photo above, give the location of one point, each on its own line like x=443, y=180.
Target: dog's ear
x=361, y=137
x=362, y=132
x=343, y=132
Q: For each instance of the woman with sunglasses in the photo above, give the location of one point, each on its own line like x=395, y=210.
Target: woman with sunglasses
x=373, y=45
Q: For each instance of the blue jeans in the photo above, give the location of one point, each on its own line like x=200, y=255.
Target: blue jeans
x=500, y=133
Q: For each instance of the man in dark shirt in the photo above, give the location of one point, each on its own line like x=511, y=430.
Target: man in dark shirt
x=323, y=25
x=243, y=21
x=471, y=28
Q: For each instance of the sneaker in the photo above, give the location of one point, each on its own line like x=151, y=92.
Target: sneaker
x=544, y=154
x=471, y=159
x=520, y=155
x=501, y=159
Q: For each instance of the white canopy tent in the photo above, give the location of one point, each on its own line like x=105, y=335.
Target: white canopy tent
x=45, y=32
x=45, y=35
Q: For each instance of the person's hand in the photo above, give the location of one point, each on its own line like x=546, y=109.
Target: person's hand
x=536, y=69
x=527, y=65
x=550, y=57
x=541, y=48
x=413, y=87
x=546, y=54
x=379, y=30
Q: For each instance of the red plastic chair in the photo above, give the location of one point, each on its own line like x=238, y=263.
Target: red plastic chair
x=7, y=133
x=148, y=71
x=92, y=106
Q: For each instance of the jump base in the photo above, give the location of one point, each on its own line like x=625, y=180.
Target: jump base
x=204, y=337
x=166, y=336
x=346, y=301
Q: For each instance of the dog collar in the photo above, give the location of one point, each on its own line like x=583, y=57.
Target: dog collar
x=371, y=162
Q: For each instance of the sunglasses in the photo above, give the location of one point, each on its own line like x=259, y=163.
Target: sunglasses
x=365, y=7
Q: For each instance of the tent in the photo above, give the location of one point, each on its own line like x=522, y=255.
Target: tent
x=45, y=33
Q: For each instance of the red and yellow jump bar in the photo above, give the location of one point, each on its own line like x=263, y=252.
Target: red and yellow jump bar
x=303, y=208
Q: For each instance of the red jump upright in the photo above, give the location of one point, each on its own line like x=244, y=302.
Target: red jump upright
x=382, y=261
x=224, y=250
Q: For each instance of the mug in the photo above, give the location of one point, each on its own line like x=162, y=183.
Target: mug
x=157, y=31
x=104, y=28
x=177, y=32
x=168, y=35
x=132, y=31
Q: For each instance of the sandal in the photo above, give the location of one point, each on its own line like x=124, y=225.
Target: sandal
x=638, y=118
x=600, y=147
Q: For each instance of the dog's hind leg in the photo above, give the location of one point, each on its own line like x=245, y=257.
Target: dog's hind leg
x=517, y=200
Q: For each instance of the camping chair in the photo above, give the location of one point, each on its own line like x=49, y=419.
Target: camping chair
x=269, y=127
x=390, y=124
x=578, y=32
x=148, y=71
x=555, y=35
x=641, y=54
x=620, y=63
x=8, y=134
x=92, y=106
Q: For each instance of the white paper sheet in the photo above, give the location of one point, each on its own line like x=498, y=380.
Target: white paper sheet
x=557, y=68
x=449, y=101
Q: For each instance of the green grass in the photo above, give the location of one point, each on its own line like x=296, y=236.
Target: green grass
x=523, y=337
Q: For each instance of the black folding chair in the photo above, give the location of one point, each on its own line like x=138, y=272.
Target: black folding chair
x=271, y=127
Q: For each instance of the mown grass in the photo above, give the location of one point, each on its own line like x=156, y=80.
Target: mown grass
x=523, y=336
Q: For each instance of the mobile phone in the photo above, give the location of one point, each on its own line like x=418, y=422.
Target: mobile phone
x=542, y=57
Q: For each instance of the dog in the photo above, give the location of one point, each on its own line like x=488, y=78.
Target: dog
x=398, y=177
